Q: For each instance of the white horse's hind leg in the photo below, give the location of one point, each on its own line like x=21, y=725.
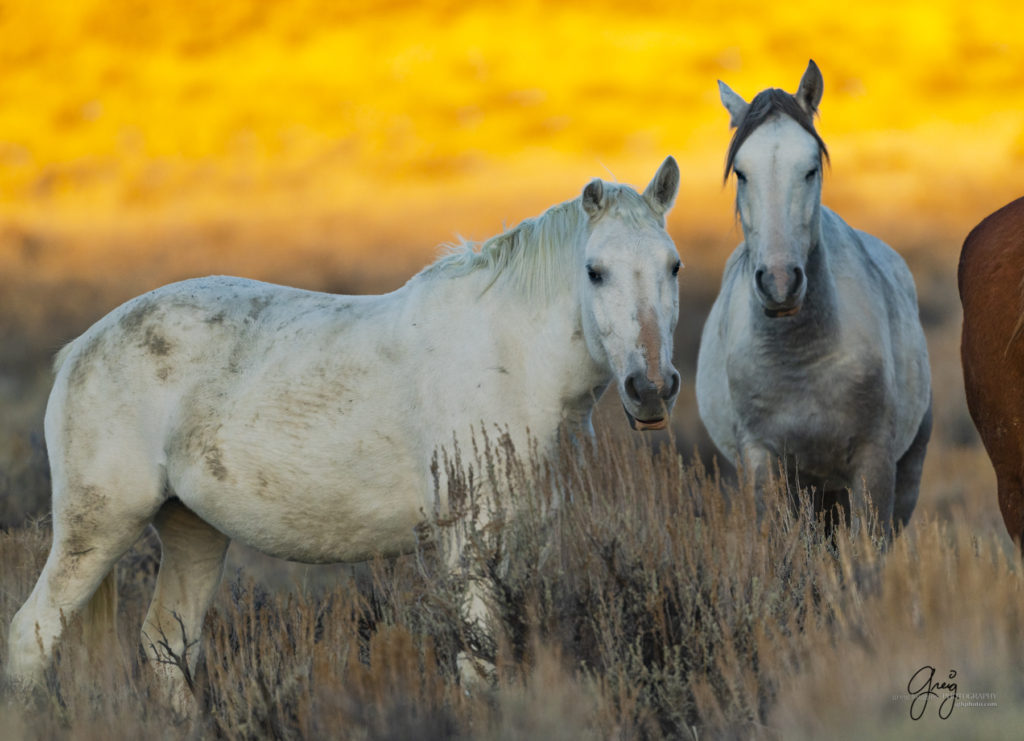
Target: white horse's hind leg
x=90, y=534
x=191, y=564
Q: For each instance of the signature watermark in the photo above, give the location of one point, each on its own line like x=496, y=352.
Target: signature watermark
x=924, y=688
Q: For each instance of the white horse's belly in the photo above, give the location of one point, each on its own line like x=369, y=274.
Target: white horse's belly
x=292, y=507
x=314, y=471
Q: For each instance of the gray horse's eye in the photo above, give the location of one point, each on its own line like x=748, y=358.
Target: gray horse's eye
x=596, y=276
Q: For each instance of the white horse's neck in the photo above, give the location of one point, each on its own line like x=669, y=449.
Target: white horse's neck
x=522, y=284
x=552, y=365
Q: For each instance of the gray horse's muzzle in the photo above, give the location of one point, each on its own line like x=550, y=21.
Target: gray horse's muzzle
x=780, y=289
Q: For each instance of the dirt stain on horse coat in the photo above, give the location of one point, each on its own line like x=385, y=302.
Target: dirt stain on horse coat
x=155, y=342
x=215, y=463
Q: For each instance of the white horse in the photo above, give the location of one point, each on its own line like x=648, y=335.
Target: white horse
x=304, y=424
x=813, y=355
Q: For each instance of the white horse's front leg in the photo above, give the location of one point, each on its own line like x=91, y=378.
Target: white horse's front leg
x=474, y=670
x=462, y=519
x=475, y=612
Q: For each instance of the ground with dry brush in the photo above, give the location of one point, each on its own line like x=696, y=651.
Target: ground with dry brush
x=647, y=604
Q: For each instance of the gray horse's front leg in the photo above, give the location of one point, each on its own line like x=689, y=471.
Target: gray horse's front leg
x=760, y=468
x=873, y=490
x=908, y=473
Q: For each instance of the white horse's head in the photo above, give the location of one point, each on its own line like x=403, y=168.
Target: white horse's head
x=630, y=294
x=777, y=157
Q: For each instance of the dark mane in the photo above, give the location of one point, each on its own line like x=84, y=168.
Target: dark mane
x=766, y=105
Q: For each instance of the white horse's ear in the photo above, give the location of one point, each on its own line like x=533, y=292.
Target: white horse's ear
x=812, y=85
x=593, y=197
x=661, y=192
x=733, y=103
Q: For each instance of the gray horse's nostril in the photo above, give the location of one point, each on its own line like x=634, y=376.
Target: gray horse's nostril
x=798, y=279
x=758, y=275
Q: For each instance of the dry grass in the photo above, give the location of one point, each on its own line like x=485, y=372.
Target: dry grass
x=646, y=605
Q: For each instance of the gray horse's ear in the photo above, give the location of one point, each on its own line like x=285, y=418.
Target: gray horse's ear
x=661, y=192
x=733, y=103
x=812, y=85
x=593, y=197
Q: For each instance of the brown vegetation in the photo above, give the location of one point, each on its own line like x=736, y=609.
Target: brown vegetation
x=647, y=604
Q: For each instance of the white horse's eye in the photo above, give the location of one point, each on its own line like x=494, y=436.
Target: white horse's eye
x=596, y=276
x=675, y=268
x=740, y=176
x=811, y=174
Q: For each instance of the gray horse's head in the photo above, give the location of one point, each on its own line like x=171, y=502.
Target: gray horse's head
x=777, y=157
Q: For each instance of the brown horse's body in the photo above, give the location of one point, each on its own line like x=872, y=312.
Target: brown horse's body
x=991, y=278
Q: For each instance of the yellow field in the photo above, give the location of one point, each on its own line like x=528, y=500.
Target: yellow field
x=334, y=131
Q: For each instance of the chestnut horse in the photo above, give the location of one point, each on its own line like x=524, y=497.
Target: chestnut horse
x=990, y=277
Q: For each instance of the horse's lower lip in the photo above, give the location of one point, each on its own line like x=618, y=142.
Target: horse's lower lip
x=776, y=313
x=657, y=424
x=642, y=425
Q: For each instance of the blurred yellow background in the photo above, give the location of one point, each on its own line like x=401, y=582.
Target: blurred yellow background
x=311, y=136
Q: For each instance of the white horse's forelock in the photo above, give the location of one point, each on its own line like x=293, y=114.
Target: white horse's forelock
x=537, y=254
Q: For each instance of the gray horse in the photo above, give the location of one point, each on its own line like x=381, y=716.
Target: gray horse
x=812, y=361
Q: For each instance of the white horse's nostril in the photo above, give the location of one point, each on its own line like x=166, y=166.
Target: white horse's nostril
x=631, y=390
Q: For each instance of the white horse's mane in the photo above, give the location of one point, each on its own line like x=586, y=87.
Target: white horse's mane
x=539, y=253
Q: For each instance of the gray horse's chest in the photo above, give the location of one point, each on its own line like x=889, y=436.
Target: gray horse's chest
x=816, y=410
